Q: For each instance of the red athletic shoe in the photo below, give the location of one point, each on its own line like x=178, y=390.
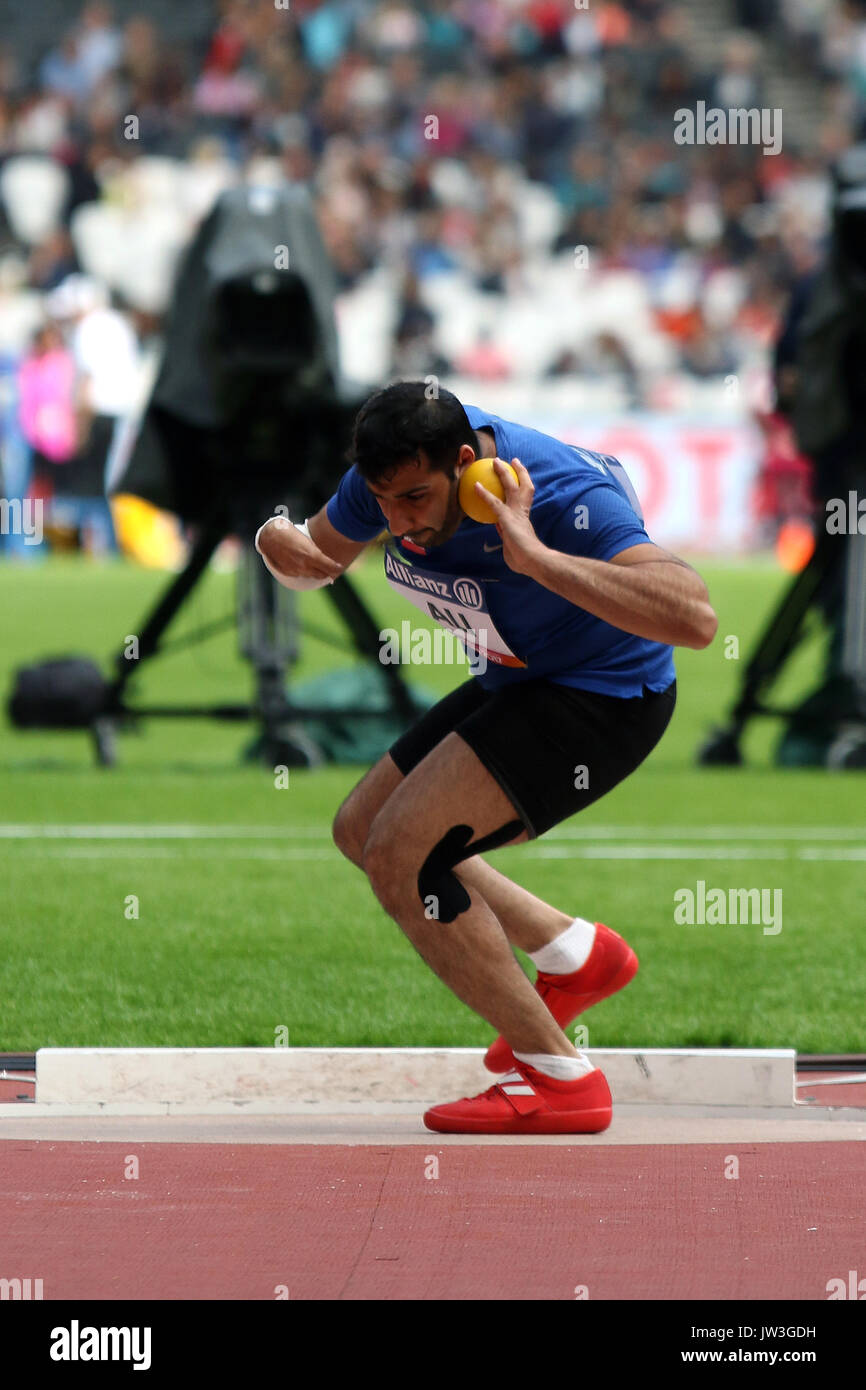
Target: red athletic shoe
x=527, y=1102
x=611, y=964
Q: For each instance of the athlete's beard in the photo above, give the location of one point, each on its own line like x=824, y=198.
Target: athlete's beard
x=453, y=518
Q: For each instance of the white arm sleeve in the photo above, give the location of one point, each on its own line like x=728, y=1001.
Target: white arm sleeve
x=288, y=581
x=302, y=526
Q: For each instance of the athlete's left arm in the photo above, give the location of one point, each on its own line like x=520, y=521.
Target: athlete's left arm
x=644, y=590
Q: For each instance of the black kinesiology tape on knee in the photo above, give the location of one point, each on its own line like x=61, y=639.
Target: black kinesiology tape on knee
x=435, y=878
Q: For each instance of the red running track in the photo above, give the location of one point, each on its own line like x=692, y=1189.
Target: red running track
x=216, y=1221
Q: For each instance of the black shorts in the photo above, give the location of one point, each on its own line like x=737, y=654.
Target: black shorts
x=552, y=749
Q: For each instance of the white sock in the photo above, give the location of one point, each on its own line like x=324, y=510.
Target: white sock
x=568, y=951
x=560, y=1068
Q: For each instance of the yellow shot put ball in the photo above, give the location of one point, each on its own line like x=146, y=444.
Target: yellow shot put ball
x=481, y=471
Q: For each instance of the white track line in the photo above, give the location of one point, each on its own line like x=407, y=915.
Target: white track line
x=161, y=832
x=661, y=852
x=708, y=832
x=593, y=843
x=80, y=853
x=304, y=854
x=850, y=855
x=143, y=831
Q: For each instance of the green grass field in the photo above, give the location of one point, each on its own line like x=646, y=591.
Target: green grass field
x=251, y=921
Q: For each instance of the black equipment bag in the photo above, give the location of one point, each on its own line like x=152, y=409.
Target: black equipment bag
x=66, y=692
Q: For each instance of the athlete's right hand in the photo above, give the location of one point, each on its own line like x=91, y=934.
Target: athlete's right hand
x=291, y=555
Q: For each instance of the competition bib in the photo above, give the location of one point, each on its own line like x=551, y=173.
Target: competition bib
x=457, y=604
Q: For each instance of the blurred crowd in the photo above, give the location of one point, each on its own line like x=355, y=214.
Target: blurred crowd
x=496, y=181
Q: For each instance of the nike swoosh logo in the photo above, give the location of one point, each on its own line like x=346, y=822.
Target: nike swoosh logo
x=488, y=548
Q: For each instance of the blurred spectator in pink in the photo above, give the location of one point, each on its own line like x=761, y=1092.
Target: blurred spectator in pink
x=105, y=353
x=46, y=405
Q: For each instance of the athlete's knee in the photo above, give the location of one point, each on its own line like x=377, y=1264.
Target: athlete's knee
x=442, y=892
x=349, y=832
x=387, y=857
x=393, y=865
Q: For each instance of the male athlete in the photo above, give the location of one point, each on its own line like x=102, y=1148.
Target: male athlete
x=575, y=612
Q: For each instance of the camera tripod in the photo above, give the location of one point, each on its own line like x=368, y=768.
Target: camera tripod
x=269, y=630
x=841, y=706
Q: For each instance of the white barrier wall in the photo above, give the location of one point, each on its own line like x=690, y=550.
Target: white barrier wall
x=271, y=1080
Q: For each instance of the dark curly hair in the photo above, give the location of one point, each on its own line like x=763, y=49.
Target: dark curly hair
x=395, y=423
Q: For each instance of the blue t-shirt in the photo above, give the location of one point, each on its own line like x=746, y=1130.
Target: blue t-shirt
x=584, y=505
